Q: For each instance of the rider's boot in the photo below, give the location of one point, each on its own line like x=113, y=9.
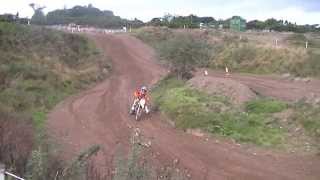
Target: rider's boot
x=147, y=109
x=133, y=106
x=132, y=110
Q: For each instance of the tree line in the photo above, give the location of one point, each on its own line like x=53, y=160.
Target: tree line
x=193, y=21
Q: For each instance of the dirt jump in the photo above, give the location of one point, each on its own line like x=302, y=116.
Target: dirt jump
x=100, y=116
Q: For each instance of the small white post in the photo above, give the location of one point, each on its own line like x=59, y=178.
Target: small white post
x=306, y=44
x=227, y=71
x=205, y=73
x=184, y=26
x=2, y=170
x=276, y=42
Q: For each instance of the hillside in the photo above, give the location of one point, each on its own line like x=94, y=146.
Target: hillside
x=85, y=15
x=38, y=68
x=241, y=52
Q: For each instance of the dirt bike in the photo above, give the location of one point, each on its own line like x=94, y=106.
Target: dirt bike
x=139, y=108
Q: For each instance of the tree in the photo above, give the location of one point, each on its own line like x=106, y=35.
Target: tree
x=89, y=15
x=38, y=16
x=155, y=22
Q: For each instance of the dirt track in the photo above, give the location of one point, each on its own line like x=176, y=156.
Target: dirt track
x=100, y=116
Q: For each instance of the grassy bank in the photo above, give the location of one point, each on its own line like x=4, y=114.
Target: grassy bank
x=190, y=108
x=39, y=67
x=250, y=55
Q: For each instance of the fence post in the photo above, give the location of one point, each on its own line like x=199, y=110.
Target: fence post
x=2, y=170
x=307, y=44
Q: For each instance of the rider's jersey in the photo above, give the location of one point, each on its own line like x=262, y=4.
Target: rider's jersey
x=138, y=94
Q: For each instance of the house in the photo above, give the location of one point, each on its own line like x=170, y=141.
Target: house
x=237, y=23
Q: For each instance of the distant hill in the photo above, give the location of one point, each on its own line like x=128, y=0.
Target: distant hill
x=88, y=15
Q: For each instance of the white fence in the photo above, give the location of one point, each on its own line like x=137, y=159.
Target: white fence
x=79, y=29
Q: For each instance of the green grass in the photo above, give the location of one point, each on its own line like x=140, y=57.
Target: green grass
x=265, y=106
x=190, y=108
x=39, y=118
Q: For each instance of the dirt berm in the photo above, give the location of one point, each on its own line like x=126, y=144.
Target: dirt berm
x=235, y=91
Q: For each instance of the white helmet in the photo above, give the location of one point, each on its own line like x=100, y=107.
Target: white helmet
x=144, y=88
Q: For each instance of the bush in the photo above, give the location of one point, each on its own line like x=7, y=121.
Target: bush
x=309, y=117
x=309, y=67
x=154, y=36
x=183, y=53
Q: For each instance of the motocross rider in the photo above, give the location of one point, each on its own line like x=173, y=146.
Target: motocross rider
x=138, y=95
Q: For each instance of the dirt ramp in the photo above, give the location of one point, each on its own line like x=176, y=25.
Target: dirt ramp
x=236, y=91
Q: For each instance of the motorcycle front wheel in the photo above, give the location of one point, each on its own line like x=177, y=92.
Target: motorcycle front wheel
x=138, y=113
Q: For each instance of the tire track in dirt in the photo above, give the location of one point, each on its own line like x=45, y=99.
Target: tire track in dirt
x=100, y=116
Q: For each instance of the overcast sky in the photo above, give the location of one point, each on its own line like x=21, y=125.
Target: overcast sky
x=300, y=11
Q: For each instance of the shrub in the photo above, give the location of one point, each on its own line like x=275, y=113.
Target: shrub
x=183, y=53
x=309, y=67
x=154, y=36
x=309, y=117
